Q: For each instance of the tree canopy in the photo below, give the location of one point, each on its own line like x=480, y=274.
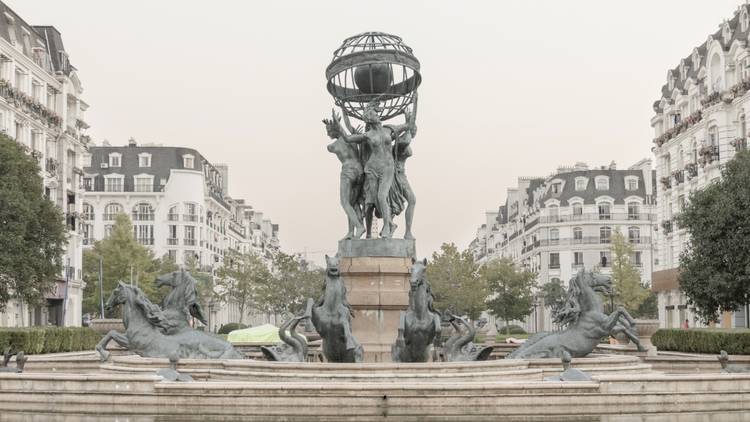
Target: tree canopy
x=124, y=259
x=626, y=279
x=715, y=265
x=243, y=278
x=295, y=280
x=554, y=295
x=511, y=289
x=33, y=232
x=455, y=281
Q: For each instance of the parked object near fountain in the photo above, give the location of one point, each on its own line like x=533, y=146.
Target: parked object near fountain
x=420, y=324
x=584, y=320
x=20, y=361
x=151, y=333
x=332, y=317
x=293, y=347
x=460, y=346
x=728, y=368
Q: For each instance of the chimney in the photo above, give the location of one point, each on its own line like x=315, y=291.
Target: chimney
x=132, y=142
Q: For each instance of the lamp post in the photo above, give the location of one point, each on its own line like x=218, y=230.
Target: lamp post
x=535, y=303
x=101, y=286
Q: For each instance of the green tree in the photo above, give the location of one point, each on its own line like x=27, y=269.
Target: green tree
x=243, y=278
x=124, y=259
x=626, y=280
x=32, y=233
x=554, y=295
x=455, y=281
x=511, y=294
x=205, y=285
x=715, y=265
x=294, y=281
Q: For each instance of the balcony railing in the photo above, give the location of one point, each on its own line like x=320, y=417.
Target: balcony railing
x=110, y=217
x=587, y=240
x=666, y=182
x=145, y=240
x=190, y=217
x=188, y=242
x=173, y=217
x=51, y=165
x=575, y=267
x=143, y=216
x=708, y=154
x=678, y=176
x=593, y=217
x=691, y=169
x=172, y=241
x=739, y=144
x=554, y=266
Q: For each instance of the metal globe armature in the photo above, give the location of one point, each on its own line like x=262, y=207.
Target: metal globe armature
x=373, y=66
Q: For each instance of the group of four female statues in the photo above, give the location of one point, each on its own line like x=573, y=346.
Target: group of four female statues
x=373, y=174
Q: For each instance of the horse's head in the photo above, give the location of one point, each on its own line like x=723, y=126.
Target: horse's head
x=417, y=272
x=169, y=279
x=600, y=283
x=118, y=297
x=332, y=266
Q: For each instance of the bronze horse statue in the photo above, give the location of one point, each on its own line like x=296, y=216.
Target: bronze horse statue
x=150, y=333
x=181, y=302
x=584, y=320
x=332, y=317
x=420, y=324
x=460, y=346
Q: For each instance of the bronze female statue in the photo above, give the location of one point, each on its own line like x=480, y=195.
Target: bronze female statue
x=351, y=178
x=401, y=191
x=380, y=167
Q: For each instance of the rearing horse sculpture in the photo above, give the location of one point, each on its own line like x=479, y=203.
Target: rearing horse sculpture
x=332, y=318
x=585, y=321
x=182, y=301
x=420, y=324
x=145, y=327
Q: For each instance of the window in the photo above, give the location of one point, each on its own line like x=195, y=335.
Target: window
x=144, y=160
x=605, y=234
x=554, y=212
x=174, y=214
x=188, y=161
x=581, y=183
x=637, y=260
x=602, y=183
x=21, y=79
x=556, y=188
x=680, y=203
x=171, y=234
x=86, y=160
x=631, y=183
x=634, y=234
x=577, y=209
x=191, y=213
x=634, y=211
x=143, y=212
x=144, y=184
x=189, y=238
x=578, y=259
x=115, y=159
x=111, y=211
x=108, y=230
x=554, y=236
x=713, y=136
x=144, y=234
x=88, y=212
x=604, y=259
x=88, y=184
x=554, y=260
x=113, y=183
x=172, y=255
x=577, y=233
x=604, y=211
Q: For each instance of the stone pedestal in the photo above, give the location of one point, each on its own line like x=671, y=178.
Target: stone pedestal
x=646, y=329
x=376, y=275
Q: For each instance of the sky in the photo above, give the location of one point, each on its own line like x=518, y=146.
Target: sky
x=509, y=89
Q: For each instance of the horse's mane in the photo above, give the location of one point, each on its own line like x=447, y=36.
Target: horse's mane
x=571, y=310
x=152, y=312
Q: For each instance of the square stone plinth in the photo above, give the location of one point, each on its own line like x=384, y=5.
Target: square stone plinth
x=377, y=289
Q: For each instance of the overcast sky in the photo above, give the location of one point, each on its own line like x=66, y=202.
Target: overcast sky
x=510, y=88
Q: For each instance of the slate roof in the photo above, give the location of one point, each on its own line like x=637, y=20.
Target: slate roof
x=616, y=186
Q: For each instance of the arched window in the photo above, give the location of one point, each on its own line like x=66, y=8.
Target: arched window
x=713, y=135
x=634, y=234
x=143, y=212
x=111, y=211
x=605, y=234
x=602, y=183
x=88, y=212
x=174, y=213
x=634, y=211
x=605, y=211
x=577, y=234
x=191, y=212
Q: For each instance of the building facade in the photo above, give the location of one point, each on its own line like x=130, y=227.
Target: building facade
x=557, y=225
x=178, y=204
x=700, y=123
x=41, y=107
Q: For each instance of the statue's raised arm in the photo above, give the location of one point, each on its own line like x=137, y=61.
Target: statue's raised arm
x=411, y=118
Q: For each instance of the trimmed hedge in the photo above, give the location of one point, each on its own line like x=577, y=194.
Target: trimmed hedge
x=514, y=329
x=703, y=340
x=228, y=328
x=35, y=340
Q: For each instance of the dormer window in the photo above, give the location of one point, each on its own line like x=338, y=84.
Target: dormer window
x=683, y=70
x=556, y=188
x=115, y=159
x=581, y=183
x=631, y=183
x=144, y=160
x=696, y=59
x=726, y=33
x=602, y=183
x=188, y=161
x=670, y=80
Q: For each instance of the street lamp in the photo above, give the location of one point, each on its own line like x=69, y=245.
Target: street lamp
x=535, y=303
